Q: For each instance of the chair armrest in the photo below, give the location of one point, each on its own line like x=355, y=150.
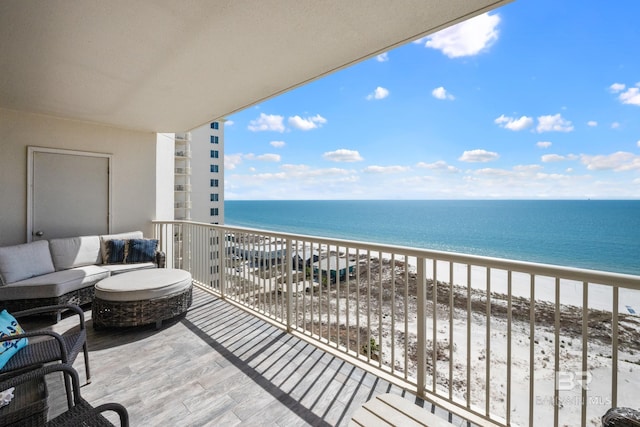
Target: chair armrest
x=75, y=381
x=41, y=372
x=52, y=308
x=63, y=348
x=117, y=408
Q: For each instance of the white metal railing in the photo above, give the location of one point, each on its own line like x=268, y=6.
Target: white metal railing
x=499, y=342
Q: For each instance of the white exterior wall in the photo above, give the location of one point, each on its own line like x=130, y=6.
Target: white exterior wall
x=201, y=174
x=139, y=158
x=164, y=178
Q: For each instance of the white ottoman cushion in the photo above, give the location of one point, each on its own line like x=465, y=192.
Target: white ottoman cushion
x=143, y=284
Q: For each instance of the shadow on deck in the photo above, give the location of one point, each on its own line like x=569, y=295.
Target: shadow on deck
x=218, y=365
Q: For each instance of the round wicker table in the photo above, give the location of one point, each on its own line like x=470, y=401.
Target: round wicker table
x=141, y=297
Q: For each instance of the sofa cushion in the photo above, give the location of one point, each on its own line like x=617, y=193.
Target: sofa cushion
x=141, y=250
x=54, y=284
x=73, y=252
x=120, y=236
x=9, y=326
x=21, y=262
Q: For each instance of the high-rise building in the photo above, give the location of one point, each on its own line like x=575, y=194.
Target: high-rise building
x=199, y=174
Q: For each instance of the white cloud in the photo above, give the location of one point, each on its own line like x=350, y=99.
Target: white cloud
x=553, y=123
x=527, y=168
x=629, y=96
x=231, y=161
x=553, y=158
x=385, y=169
x=343, y=155
x=492, y=172
x=544, y=144
x=467, y=38
x=305, y=171
x=307, y=123
x=618, y=162
x=267, y=122
x=268, y=157
x=263, y=157
x=617, y=87
x=476, y=156
x=439, y=165
x=514, y=124
x=592, y=123
x=228, y=123
x=638, y=143
x=379, y=93
x=383, y=57
x=277, y=144
x=441, y=93
x=615, y=125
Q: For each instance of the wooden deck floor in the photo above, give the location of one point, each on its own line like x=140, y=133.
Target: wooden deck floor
x=219, y=366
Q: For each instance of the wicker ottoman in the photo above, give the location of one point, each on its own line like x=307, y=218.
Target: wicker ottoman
x=141, y=297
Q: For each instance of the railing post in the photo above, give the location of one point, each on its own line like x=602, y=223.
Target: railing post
x=422, y=327
x=289, y=267
x=222, y=251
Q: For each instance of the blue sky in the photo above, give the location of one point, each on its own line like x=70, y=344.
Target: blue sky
x=535, y=100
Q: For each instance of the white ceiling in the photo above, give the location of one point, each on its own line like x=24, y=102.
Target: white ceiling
x=167, y=65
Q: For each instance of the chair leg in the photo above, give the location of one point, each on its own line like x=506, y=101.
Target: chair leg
x=86, y=362
x=67, y=387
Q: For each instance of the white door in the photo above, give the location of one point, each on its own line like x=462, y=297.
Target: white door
x=69, y=194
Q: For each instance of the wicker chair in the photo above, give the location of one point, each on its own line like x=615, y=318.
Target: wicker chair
x=80, y=412
x=56, y=347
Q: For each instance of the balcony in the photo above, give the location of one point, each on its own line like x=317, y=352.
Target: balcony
x=512, y=343
x=283, y=331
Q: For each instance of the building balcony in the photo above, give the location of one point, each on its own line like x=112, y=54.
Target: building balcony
x=271, y=340
x=182, y=171
x=512, y=343
x=182, y=137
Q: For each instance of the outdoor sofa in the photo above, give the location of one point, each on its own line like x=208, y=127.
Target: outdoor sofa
x=65, y=270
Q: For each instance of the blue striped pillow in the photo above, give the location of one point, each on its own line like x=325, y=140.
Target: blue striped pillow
x=141, y=250
x=115, y=251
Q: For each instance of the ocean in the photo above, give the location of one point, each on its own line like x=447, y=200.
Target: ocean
x=594, y=234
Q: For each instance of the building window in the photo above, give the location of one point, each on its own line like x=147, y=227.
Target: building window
x=214, y=182
x=214, y=139
x=214, y=168
x=214, y=211
x=214, y=154
x=214, y=197
x=214, y=125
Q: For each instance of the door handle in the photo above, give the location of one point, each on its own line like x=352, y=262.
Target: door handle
x=38, y=233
